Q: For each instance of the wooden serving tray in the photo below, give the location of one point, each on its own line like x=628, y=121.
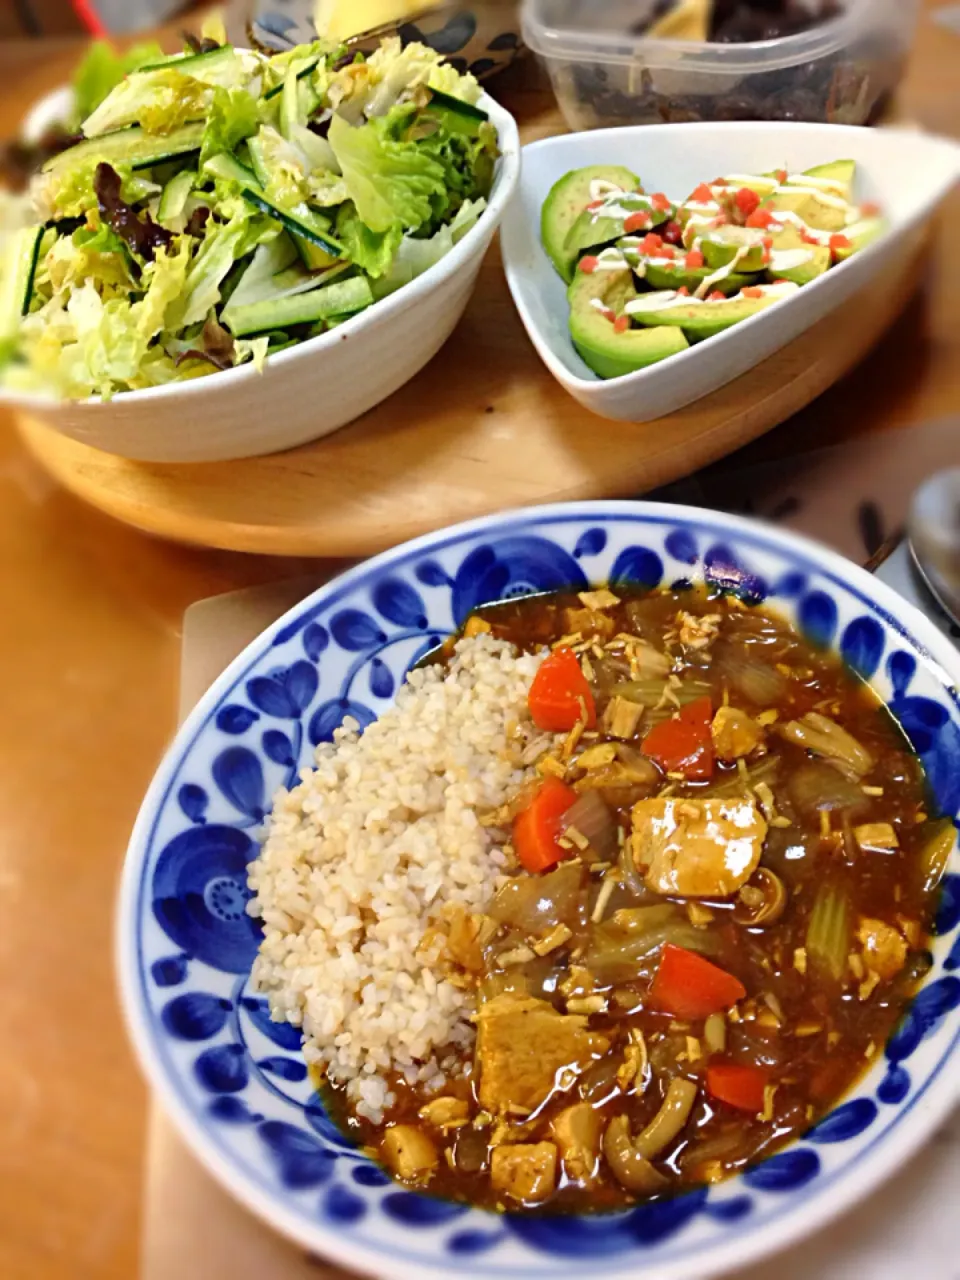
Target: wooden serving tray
x=484, y=427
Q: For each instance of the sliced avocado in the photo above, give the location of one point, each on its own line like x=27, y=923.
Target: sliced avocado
x=661, y=277
x=699, y=320
x=799, y=264
x=860, y=235
x=844, y=171
x=722, y=245
x=567, y=200
x=590, y=231
x=608, y=353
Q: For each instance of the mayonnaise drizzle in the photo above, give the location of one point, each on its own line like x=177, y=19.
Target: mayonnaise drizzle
x=722, y=273
x=789, y=259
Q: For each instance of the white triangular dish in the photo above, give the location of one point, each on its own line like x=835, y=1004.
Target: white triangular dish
x=907, y=172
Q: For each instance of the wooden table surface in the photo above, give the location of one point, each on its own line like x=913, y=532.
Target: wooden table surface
x=89, y=639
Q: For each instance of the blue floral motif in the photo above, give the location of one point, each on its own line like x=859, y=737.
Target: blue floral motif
x=292, y=1069
x=818, y=618
x=302, y=1162
x=590, y=543
x=193, y=800
x=398, y=602
x=342, y=1206
x=281, y=1033
x=223, y=1069
x=637, y=567
x=862, y=645
x=847, y=1121
x=196, y=1016
x=235, y=719
x=330, y=716
x=723, y=568
x=419, y=1210
x=786, y=1171
x=241, y=1077
x=193, y=874
x=512, y=567
x=278, y=748
x=315, y=641
x=355, y=630
x=381, y=679
x=682, y=545
x=239, y=775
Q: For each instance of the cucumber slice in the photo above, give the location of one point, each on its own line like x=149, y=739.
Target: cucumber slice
x=173, y=199
x=301, y=74
x=305, y=224
x=202, y=66
x=457, y=106
x=16, y=281
x=134, y=147
x=343, y=298
x=290, y=105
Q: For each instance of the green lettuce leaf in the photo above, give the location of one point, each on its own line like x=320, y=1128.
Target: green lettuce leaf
x=392, y=74
x=160, y=101
x=101, y=71
x=372, y=251
x=234, y=116
x=416, y=255
x=388, y=181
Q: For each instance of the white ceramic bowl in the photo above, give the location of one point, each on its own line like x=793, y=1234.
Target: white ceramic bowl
x=908, y=173
x=307, y=391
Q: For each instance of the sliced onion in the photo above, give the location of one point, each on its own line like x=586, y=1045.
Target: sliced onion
x=591, y=817
x=534, y=904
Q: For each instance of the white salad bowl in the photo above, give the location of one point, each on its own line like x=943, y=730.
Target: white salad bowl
x=235, y=1083
x=307, y=391
x=907, y=172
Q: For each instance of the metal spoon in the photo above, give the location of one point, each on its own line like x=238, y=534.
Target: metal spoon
x=933, y=532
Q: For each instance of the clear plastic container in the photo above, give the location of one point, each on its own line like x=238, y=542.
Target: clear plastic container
x=604, y=73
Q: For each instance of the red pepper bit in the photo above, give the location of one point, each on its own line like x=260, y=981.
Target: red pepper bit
x=716, y=296
x=720, y=182
x=683, y=291
x=589, y=264
x=782, y=282
x=667, y=251
x=837, y=243
x=760, y=218
x=660, y=201
x=781, y=176
x=807, y=238
x=720, y=220
x=609, y=315
x=652, y=244
x=747, y=201
x=636, y=222
x=768, y=242
x=751, y=291
x=596, y=204
x=621, y=324
x=673, y=233
x=702, y=195
x=694, y=260
x=871, y=209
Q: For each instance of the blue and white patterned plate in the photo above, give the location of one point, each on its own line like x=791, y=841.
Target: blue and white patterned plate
x=235, y=1083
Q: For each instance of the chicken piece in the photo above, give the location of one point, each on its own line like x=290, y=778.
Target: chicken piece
x=525, y=1171
x=621, y=717
x=876, y=837
x=409, y=1153
x=588, y=622
x=884, y=949
x=698, y=632
x=697, y=848
x=577, y=1131
x=600, y=599
x=522, y=1045
x=735, y=734
x=446, y=1113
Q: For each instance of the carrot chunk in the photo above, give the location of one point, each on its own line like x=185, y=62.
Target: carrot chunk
x=560, y=695
x=690, y=987
x=684, y=744
x=536, y=831
x=738, y=1086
